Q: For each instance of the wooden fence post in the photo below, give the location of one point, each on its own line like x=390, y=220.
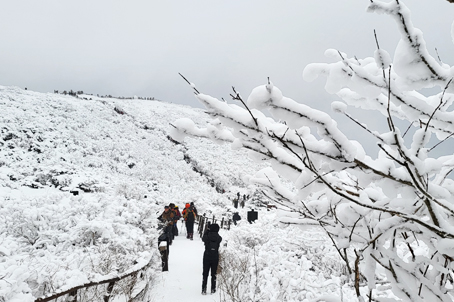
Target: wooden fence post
x=199, y=227
x=72, y=296
x=201, y=222
x=205, y=226
x=109, y=291
x=164, y=250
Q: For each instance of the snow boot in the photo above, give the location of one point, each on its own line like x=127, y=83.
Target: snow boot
x=213, y=284
x=204, y=286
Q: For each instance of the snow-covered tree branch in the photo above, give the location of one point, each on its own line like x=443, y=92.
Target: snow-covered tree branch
x=390, y=216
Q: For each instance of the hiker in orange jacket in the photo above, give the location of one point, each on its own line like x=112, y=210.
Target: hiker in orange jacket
x=189, y=217
x=184, y=210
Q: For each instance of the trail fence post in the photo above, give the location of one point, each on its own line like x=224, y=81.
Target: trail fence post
x=164, y=250
x=202, y=225
x=109, y=291
x=205, y=226
x=72, y=296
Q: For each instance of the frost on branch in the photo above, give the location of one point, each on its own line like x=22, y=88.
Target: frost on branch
x=390, y=216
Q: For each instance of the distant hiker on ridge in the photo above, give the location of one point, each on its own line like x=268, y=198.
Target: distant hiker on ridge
x=236, y=217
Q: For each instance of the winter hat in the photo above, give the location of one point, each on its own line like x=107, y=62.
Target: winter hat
x=187, y=205
x=214, y=227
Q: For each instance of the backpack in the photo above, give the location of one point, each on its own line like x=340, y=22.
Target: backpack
x=189, y=215
x=214, y=246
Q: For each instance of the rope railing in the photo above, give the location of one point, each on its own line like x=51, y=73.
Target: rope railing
x=73, y=292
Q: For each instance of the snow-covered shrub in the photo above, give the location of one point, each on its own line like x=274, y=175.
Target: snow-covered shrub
x=58, y=178
x=267, y=262
x=234, y=274
x=130, y=191
x=60, y=241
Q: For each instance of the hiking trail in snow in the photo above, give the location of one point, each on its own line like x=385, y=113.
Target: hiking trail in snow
x=183, y=281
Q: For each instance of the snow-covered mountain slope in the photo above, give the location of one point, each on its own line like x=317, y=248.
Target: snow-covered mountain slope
x=96, y=144
x=118, y=156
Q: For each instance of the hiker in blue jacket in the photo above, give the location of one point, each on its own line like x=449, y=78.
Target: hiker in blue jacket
x=212, y=241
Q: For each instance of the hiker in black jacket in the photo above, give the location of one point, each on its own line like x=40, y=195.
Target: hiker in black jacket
x=212, y=241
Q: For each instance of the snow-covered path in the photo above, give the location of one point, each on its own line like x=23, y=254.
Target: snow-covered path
x=183, y=281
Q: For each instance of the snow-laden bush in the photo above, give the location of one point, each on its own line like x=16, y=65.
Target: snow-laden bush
x=264, y=261
x=58, y=241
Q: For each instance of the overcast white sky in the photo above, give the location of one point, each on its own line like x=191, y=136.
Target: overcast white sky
x=137, y=47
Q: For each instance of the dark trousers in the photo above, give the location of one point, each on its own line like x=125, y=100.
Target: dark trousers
x=169, y=232
x=209, y=264
x=190, y=227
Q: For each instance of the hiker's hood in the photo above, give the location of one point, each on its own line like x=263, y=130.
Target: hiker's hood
x=213, y=237
x=214, y=228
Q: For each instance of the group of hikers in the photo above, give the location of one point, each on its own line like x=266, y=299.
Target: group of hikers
x=210, y=238
x=172, y=215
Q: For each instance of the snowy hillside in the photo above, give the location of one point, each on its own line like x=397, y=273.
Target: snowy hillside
x=90, y=145
x=117, y=155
